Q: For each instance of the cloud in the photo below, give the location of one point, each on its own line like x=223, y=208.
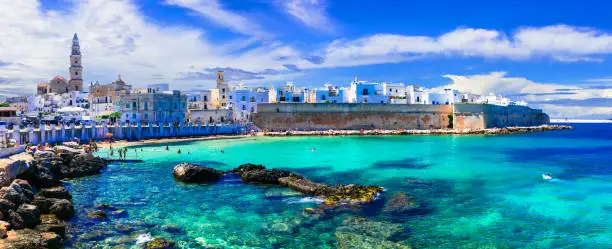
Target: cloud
x=214, y=11
x=314, y=59
x=312, y=13
x=116, y=38
x=607, y=79
x=3, y=63
x=591, y=102
x=558, y=42
x=292, y=67
x=231, y=74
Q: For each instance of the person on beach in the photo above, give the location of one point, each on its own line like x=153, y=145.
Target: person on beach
x=125, y=151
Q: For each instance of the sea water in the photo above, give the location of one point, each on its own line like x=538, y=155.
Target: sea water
x=472, y=192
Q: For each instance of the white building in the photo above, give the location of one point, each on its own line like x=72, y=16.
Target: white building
x=417, y=95
x=332, y=94
x=370, y=93
x=243, y=101
x=289, y=93
x=445, y=97
x=493, y=99
x=396, y=93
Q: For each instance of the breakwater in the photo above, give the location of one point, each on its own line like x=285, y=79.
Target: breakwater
x=381, y=132
x=61, y=133
x=350, y=116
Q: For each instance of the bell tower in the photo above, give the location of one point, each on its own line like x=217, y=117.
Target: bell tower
x=76, y=69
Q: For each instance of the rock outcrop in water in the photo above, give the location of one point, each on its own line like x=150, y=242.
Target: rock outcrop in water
x=36, y=220
x=193, y=173
x=333, y=195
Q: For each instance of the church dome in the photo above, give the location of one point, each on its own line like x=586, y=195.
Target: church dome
x=59, y=77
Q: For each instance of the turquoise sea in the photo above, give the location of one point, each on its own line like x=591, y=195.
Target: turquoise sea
x=472, y=192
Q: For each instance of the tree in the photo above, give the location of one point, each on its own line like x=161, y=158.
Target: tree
x=5, y=104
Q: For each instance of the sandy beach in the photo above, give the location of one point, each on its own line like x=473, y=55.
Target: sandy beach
x=124, y=143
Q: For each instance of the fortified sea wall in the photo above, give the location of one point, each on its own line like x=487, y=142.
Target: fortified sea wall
x=351, y=116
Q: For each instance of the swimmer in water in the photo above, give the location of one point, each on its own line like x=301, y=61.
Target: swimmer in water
x=222, y=151
x=546, y=176
x=313, y=149
x=167, y=147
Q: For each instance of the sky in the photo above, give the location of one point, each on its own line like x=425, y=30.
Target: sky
x=556, y=55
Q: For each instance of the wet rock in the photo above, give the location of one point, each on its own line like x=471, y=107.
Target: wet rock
x=159, y=243
x=56, y=192
x=40, y=176
x=50, y=223
x=29, y=214
x=5, y=206
x=246, y=167
x=401, y=203
x=63, y=209
x=252, y=173
x=97, y=214
x=44, y=204
x=94, y=235
x=19, y=192
x=51, y=241
x=84, y=164
x=193, y=173
x=302, y=185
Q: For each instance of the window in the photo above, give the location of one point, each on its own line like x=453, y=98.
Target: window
x=205, y=98
x=127, y=105
x=146, y=115
x=296, y=99
x=322, y=97
x=243, y=107
x=252, y=109
x=146, y=106
x=223, y=90
x=243, y=98
x=76, y=73
x=133, y=105
x=365, y=92
x=418, y=100
x=133, y=115
x=253, y=99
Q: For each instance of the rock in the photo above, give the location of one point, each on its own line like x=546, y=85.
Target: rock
x=22, y=239
x=44, y=204
x=252, y=173
x=5, y=206
x=50, y=223
x=346, y=240
x=63, y=209
x=51, y=241
x=29, y=214
x=246, y=167
x=119, y=213
x=40, y=176
x=123, y=228
x=15, y=219
x=56, y=192
x=194, y=173
x=159, y=243
x=401, y=203
x=4, y=227
x=94, y=235
x=172, y=229
x=105, y=206
x=97, y=214
x=84, y=164
x=302, y=185
x=19, y=192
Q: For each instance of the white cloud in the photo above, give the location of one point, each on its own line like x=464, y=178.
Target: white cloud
x=559, y=42
x=214, y=11
x=312, y=13
x=115, y=39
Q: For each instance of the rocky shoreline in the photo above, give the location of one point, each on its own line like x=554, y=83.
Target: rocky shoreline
x=351, y=194
x=379, y=132
x=34, y=208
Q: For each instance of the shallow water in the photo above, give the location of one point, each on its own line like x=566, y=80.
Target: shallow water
x=474, y=192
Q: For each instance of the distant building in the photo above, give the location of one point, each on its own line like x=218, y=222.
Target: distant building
x=59, y=84
x=446, y=97
x=205, y=100
x=154, y=107
x=159, y=87
x=417, y=95
x=396, y=93
x=370, y=93
x=104, y=98
x=210, y=116
x=332, y=94
x=289, y=93
x=21, y=103
x=244, y=100
x=224, y=89
x=9, y=115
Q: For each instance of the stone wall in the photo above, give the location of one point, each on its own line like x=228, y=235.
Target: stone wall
x=351, y=116
x=279, y=117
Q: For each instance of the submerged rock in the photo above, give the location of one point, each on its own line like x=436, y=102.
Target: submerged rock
x=50, y=223
x=401, y=203
x=358, y=232
x=193, y=173
x=31, y=239
x=159, y=243
x=97, y=214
